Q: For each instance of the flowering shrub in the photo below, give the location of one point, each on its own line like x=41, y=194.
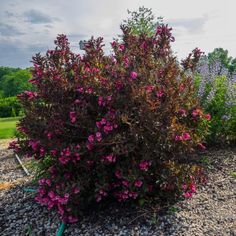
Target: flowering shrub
x=216, y=88
x=112, y=127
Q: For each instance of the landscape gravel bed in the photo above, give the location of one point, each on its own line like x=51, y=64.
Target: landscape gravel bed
x=211, y=211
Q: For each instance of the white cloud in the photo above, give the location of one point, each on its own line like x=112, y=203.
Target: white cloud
x=205, y=24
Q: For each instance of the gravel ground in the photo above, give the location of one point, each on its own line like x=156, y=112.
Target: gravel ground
x=211, y=211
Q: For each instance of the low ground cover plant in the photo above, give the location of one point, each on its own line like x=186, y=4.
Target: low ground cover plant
x=117, y=127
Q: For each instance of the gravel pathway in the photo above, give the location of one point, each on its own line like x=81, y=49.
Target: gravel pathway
x=212, y=211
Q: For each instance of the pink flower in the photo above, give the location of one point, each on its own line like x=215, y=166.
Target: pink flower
x=133, y=75
x=72, y=117
x=42, y=152
x=184, y=187
x=91, y=138
x=125, y=183
x=208, y=117
x=76, y=190
x=103, y=121
x=201, y=146
x=126, y=61
x=34, y=144
x=114, y=44
x=63, y=160
x=109, y=98
x=42, y=191
x=80, y=90
x=195, y=112
x=138, y=183
x=159, y=94
x=192, y=187
x=178, y=138
x=42, y=181
x=77, y=156
x=188, y=195
x=144, y=165
x=132, y=194
x=107, y=128
x=89, y=90
x=48, y=182
x=149, y=88
x=49, y=135
x=110, y=158
x=31, y=94
x=159, y=30
x=99, y=136
x=77, y=101
x=89, y=146
x=99, y=125
x=122, y=47
x=186, y=136
x=101, y=101
x=66, y=152
x=183, y=112
x=72, y=219
x=118, y=174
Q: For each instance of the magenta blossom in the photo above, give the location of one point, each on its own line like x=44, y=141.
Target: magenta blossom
x=159, y=94
x=188, y=195
x=99, y=136
x=186, y=136
x=125, y=183
x=201, y=146
x=144, y=165
x=133, y=75
x=73, y=117
x=91, y=138
x=138, y=183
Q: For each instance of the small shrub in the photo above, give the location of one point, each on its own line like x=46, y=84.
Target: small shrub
x=112, y=127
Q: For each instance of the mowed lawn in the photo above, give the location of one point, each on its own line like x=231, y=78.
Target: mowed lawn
x=8, y=127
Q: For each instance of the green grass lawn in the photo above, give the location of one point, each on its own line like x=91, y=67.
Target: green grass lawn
x=8, y=127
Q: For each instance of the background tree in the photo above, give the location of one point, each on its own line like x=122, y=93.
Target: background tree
x=14, y=81
x=142, y=21
x=222, y=56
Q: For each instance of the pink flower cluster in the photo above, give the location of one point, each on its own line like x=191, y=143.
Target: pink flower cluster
x=196, y=112
x=51, y=198
x=133, y=75
x=138, y=183
x=125, y=194
x=101, y=194
x=159, y=94
x=72, y=116
x=109, y=159
x=189, y=189
x=183, y=137
x=183, y=112
x=144, y=165
x=150, y=88
x=34, y=144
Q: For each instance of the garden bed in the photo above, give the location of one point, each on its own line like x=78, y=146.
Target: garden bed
x=211, y=211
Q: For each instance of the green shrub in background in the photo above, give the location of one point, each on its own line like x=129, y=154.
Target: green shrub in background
x=217, y=93
x=9, y=107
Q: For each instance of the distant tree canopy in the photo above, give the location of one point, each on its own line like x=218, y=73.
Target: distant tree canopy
x=14, y=81
x=222, y=55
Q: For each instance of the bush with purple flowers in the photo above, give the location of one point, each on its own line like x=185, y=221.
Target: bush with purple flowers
x=216, y=89
x=115, y=127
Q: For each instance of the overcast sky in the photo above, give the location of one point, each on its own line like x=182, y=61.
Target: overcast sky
x=30, y=26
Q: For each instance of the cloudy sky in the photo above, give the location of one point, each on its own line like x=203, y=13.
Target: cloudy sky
x=30, y=26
